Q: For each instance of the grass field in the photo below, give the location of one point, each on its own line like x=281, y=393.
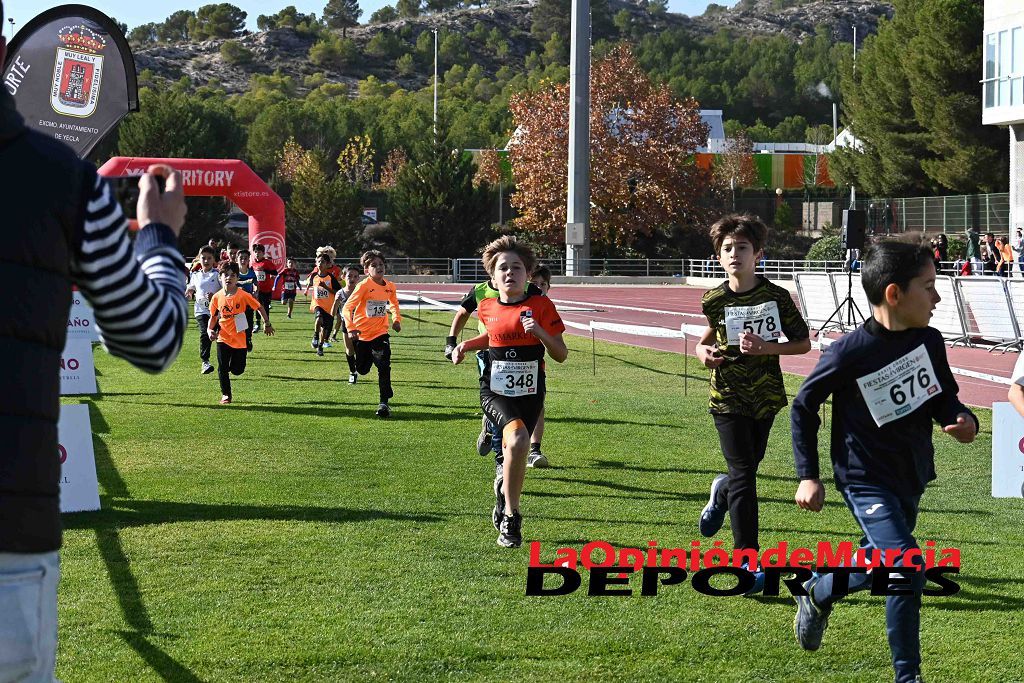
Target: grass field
x=294, y=536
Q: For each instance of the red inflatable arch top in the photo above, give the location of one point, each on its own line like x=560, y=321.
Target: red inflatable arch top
x=229, y=178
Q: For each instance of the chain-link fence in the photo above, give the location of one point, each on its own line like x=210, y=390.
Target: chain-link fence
x=954, y=214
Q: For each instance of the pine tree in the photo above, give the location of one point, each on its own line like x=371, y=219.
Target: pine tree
x=913, y=103
x=343, y=14
x=435, y=208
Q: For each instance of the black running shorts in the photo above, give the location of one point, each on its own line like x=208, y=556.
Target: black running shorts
x=324, y=319
x=501, y=410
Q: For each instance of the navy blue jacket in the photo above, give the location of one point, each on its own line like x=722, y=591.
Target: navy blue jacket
x=897, y=455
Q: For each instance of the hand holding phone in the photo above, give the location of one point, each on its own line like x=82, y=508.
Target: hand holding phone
x=166, y=206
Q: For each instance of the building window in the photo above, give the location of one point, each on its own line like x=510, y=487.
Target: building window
x=1003, y=83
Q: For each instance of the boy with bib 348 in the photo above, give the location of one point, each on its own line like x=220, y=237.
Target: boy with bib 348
x=520, y=327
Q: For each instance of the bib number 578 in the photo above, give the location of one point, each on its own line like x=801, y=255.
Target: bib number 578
x=763, y=325
x=908, y=385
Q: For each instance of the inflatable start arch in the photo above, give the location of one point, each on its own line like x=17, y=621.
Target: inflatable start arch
x=229, y=178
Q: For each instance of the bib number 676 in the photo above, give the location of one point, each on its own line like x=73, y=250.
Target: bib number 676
x=908, y=385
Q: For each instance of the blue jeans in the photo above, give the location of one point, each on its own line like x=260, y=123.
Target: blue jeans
x=28, y=626
x=887, y=521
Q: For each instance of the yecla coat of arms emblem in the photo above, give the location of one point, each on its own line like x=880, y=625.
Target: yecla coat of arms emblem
x=77, y=72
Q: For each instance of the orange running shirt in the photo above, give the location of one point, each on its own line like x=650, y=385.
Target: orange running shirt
x=325, y=287
x=231, y=307
x=516, y=354
x=366, y=309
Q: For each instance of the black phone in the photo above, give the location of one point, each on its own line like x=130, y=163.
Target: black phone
x=126, y=191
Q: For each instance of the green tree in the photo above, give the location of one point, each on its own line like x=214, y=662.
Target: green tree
x=913, y=105
x=384, y=15
x=827, y=249
x=216, y=21
x=434, y=207
x=657, y=8
x=322, y=207
x=142, y=35
x=623, y=21
x=553, y=16
x=405, y=65
x=289, y=17
x=942, y=69
x=174, y=28
x=234, y=53
x=343, y=14
x=334, y=52
x=408, y=9
x=384, y=45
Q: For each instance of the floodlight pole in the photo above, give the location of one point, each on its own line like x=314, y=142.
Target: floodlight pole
x=577, y=229
x=435, y=84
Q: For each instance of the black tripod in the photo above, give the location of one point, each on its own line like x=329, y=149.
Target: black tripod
x=848, y=304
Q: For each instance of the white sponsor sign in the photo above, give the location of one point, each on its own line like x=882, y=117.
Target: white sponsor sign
x=81, y=320
x=1007, y=452
x=77, y=373
x=900, y=387
x=79, y=489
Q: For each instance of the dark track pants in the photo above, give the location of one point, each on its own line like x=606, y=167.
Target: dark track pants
x=744, y=441
x=376, y=352
x=203, y=323
x=229, y=360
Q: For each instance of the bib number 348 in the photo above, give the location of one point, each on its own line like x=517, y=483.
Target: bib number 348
x=514, y=378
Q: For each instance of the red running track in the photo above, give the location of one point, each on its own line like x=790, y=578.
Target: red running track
x=671, y=305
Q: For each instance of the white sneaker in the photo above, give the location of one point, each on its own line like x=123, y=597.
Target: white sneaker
x=536, y=459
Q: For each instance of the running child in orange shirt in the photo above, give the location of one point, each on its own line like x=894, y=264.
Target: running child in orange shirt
x=325, y=293
x=366, y=317
x=228, y=324
x=520, y=328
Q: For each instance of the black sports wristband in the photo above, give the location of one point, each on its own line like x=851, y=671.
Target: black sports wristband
x=451, y=341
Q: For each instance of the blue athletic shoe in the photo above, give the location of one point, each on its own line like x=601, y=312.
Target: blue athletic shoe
x=713, y=516
x=811, y=620
x=758, y=586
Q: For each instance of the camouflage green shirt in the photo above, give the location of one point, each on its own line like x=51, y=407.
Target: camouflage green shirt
x=750, y=385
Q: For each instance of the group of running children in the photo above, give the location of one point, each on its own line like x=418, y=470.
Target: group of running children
x=225, y=308
x=888, y=381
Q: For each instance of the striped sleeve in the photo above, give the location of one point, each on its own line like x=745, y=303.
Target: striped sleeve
x=136, y=293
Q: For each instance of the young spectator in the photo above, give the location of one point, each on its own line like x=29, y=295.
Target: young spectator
x=366, y=318
x=747, y=315
x=974, y=250
x=1004, y=253
x=1017, y=244
x=228, y=324
x=889, y=379
x=519, y=329
x=203, y=284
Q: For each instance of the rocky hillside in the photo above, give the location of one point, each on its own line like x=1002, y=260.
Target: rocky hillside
x=288, y=50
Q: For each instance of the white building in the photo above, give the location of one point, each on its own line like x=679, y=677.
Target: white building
x=1002, y=87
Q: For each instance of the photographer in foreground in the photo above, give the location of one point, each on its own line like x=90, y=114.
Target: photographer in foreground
x=62, y=225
